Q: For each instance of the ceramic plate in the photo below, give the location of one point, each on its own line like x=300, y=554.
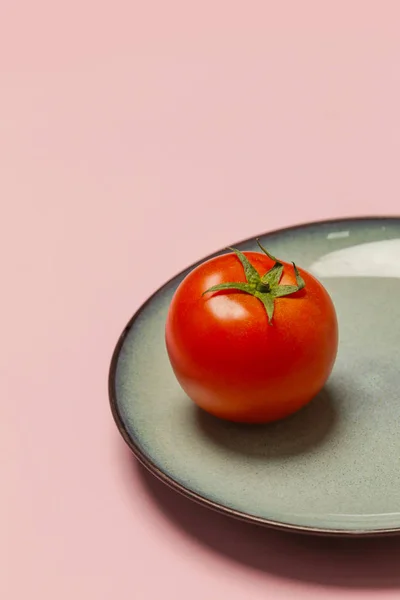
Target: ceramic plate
x=333, y=467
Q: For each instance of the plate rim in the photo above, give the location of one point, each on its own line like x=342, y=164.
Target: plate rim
x=147, y=462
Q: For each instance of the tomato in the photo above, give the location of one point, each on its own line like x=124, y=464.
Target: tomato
x=259, y=345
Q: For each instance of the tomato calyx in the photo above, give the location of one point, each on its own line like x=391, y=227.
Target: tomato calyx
x=265, y=288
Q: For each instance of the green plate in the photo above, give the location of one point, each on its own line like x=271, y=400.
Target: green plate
x=331, y=468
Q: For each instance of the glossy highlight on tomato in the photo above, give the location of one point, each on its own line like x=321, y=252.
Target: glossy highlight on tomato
x=256, y=347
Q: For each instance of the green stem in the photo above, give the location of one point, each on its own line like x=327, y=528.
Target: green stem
x=265, y=288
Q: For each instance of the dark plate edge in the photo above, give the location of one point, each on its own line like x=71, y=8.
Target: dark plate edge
x=178, y=487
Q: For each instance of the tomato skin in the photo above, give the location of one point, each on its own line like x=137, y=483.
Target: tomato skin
x=235, y=365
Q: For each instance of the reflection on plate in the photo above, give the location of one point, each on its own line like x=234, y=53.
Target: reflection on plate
x=332, y=467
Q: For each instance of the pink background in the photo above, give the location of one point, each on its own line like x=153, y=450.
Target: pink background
x=136, y=137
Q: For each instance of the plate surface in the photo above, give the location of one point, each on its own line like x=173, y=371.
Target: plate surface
x=333, y=467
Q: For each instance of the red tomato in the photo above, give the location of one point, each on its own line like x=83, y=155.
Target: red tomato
x=235, y=362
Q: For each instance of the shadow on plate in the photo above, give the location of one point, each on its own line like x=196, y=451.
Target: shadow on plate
x=342, y=562
x=297, y=434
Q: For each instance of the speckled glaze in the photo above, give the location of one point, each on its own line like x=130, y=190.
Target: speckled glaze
x=331, y=468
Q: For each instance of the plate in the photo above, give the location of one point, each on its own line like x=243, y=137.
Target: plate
x=331, y=468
